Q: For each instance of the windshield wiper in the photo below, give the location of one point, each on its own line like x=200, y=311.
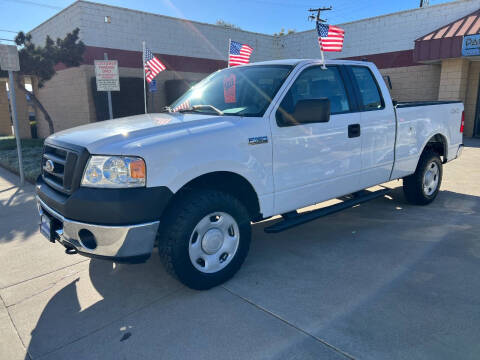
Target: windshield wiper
x=166, y=109
x=198, y=108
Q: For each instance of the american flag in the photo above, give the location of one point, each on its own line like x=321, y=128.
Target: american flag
x=239, y=53
x=330, y=38
x=183, y=106
x=153, y=66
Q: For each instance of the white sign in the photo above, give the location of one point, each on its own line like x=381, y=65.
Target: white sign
x=106, y=72
x=9, y=58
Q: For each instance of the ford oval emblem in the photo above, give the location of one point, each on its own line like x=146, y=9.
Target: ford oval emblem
x=49, y=166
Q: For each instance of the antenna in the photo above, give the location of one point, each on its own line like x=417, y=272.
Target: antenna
x=316, y=17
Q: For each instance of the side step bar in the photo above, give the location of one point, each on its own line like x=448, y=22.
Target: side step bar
x=293, y=219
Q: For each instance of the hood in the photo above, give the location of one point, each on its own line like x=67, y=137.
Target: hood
x=116, y=135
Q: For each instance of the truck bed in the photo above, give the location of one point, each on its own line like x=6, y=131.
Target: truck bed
x=404, y=104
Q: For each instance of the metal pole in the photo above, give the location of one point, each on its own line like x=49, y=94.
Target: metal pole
x=109, y=94
x=144, y=80
x=323, y=60
x=228, y=59
x=13, y=105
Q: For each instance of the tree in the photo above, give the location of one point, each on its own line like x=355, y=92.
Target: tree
x=227, y=25
x=282, y=32
x=40, y=62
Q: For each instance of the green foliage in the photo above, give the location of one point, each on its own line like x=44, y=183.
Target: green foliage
x=282, y=32
x=40, y=61
x=32, y=155
x=227, y=25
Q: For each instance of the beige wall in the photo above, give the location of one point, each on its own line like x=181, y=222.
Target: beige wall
x=22, y=112
x=471, y=98
x=5, y=123
x=453, y=79
x=65, y=97
x=414, y=83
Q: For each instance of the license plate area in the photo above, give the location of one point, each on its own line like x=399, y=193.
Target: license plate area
x=49, y=226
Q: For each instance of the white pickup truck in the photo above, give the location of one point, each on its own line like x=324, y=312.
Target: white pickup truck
x=244, y=144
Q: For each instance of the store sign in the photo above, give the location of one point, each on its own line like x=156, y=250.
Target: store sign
x=152, y=86
x=9, y=58
x=471, y=45
x=106, y=72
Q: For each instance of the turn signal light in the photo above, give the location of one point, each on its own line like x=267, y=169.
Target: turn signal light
x=462, y=125
x=137, y=169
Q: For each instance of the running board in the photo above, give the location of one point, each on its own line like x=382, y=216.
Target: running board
x=293, y=219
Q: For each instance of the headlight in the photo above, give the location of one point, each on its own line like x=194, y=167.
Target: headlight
x=114, y=172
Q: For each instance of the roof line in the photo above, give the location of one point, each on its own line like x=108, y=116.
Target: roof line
x=54, y=16
x=391, y=14
x=150, y=13
x=463, y=18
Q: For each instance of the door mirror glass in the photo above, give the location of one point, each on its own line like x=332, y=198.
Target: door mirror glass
x=306, y=112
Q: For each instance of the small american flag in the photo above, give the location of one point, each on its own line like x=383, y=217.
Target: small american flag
x=239, y=53
x=153, y=66
x=183, y=106
x=330, y=38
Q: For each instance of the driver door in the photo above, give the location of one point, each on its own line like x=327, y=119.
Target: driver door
x=314, y=162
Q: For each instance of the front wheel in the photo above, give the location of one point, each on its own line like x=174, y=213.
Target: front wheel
x=422, y=187
x=205, y=238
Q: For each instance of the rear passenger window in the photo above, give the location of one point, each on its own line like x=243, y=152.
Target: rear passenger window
x=316, y=83
x=367, y=85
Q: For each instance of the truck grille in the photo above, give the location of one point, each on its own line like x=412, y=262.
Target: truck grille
x=58, y=167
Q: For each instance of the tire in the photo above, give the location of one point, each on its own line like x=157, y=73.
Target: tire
x=422, y=187
x=209, y=227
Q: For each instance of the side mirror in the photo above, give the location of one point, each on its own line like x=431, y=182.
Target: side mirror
x=312, y=111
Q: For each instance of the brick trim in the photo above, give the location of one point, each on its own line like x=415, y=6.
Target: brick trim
x=387, y=60
x=133, y=59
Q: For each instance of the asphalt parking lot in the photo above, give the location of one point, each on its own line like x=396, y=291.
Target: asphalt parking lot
x=384, y=280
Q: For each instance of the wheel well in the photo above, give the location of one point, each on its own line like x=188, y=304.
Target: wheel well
x=438, y=143
x=228, y=182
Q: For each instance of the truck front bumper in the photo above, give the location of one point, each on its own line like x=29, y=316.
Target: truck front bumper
x=120, y=243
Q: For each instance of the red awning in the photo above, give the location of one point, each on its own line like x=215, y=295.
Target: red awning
x=446, y=41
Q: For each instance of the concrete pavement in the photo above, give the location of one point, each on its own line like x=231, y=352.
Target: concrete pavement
x=384, y=280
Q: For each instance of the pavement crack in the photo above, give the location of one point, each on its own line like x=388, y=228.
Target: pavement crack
x=42, y=275
x=16, y=330
x=50, y=285
x=278, y=317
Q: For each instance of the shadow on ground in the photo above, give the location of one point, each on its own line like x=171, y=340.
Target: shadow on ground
x=381, y=280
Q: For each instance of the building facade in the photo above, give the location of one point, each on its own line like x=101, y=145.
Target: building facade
x=417, y=49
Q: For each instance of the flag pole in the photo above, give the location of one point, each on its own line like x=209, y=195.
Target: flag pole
x=228, y=57
x=144, y=84
x=323, y=59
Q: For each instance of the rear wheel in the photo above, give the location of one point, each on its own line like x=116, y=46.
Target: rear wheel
x=204, y=238
x=422, y=187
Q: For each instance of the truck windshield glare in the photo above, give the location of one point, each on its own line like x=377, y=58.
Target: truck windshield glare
x=241, y=91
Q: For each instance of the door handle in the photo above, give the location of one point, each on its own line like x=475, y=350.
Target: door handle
x=353, y=130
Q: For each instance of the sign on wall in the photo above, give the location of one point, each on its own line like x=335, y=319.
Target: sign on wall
x=106, y=73
x=471, y=45
x=9, y=58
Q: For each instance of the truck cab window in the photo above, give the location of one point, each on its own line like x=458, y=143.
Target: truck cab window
x=316, y=83
x=368, y=88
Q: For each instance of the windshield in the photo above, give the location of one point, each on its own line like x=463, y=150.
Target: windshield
x=242, y=91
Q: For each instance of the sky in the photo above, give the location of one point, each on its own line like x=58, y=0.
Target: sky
x=264, y=16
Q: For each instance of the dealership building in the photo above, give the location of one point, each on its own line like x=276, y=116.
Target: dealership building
x=429, y=53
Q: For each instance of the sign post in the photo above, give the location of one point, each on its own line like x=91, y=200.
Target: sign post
x=152, y=88
x=9, y=61
x=106, y=73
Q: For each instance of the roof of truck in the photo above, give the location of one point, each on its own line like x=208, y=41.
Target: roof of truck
x=308, y=61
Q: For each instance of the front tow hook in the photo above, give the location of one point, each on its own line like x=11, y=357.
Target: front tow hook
x=69, y=249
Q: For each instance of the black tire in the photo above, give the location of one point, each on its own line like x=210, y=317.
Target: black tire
x=413, y=185
x=176, y=229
